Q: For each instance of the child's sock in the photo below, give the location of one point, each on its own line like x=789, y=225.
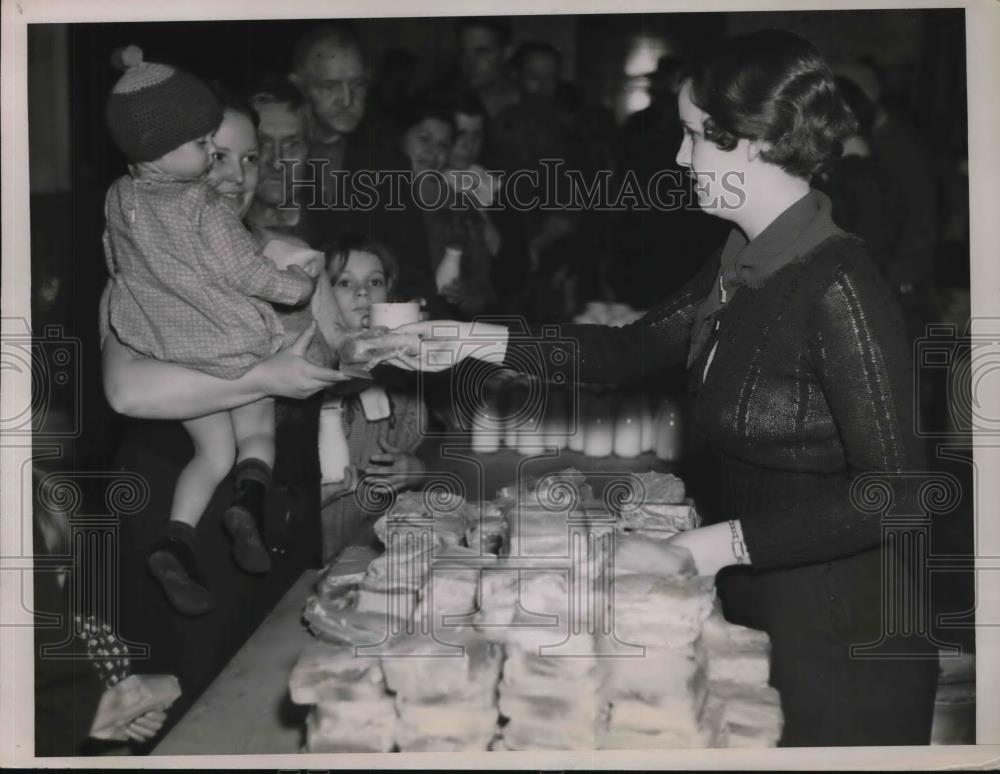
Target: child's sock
x=244, y=519
x=252, y=469
x=173, y=562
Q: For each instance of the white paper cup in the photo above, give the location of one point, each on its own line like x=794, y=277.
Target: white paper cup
x=393, y=315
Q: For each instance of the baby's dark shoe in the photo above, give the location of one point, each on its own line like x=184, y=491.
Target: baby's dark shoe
x=244, y=518
x=172, y=561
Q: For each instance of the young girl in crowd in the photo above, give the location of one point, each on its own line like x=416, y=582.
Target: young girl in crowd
x=380, y=442
x=189, y=285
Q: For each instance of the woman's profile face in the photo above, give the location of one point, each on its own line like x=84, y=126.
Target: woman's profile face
x=719, y=175
x=428, y=145
x=360, y=284
x=234, y=167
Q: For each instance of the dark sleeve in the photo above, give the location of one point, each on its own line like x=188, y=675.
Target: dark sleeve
x=67, y=690
x=600, y=354
x=858, y=351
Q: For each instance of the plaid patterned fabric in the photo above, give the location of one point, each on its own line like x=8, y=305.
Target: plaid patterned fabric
x=189, y=284
x=108, y=655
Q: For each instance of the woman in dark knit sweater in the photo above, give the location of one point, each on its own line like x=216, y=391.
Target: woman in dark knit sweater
x=801, y=381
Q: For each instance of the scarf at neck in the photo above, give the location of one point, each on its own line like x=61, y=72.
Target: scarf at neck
x=791, y=235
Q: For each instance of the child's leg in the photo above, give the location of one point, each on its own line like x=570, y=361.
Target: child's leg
x=253, y=426
x=173, y=559
x=214, y=454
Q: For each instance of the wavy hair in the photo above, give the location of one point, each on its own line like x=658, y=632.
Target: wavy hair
x=773, y=86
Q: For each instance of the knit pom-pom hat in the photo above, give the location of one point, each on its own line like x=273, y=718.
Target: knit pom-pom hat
x=154, y=108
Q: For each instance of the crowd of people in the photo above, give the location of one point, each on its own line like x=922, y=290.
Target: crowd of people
x=241, y=359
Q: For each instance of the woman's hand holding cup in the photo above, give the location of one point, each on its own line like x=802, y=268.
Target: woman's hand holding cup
x=435, y=345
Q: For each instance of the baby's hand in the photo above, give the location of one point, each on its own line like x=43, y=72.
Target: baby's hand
x=314, y=265
x=307, y=289
x=285, y=254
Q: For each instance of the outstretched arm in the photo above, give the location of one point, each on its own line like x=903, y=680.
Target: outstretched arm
x=150, y=389
x=596, y=354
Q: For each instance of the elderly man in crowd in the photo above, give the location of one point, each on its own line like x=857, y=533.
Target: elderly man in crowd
x=284, y=149
x=355, y=183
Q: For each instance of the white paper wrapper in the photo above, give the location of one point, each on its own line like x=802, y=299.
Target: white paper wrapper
x=375, y=404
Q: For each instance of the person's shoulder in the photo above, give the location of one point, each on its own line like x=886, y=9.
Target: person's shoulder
x=205, y=203
x=843, y=263
x=120, y=182
x=841, y=251
x=201, y=193
x=119, y=189
x=190, y=197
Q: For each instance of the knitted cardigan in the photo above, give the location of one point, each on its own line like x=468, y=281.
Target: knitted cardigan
x=810, y=385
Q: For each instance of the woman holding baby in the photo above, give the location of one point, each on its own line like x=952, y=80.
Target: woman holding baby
x=222, y=601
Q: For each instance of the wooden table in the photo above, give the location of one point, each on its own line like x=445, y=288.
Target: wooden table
x=246, y=710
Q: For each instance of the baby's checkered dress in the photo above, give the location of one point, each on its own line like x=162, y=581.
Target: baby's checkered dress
x=189, y=284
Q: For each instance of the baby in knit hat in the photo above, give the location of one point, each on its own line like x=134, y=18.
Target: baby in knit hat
x=189, y=285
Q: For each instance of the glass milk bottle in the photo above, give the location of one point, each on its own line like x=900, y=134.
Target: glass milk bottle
x=334, y=456
x=554, y=423
x=514, y=412
x=576, y=419
x=487, y=426
x=600, y=438
x=668, y=431
x=628, y=426
x=531, y=434
x=647, y=419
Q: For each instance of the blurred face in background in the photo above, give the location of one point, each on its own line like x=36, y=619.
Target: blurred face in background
x=539, y=75
x=468, y=140
x=281, y=135
x=334, y=82
x=234, y=166
x=428, y=145
x=480, y=56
